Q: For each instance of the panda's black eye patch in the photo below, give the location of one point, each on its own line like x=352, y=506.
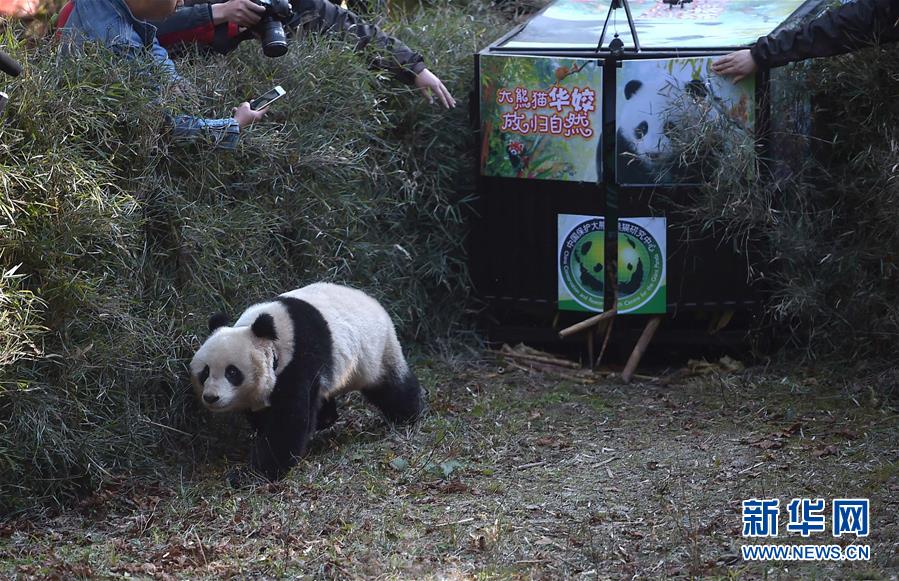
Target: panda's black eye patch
x=234, y=375
x=204, y=375
x=641, y=130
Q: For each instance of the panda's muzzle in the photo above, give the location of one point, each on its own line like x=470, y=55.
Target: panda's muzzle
x=210, y=399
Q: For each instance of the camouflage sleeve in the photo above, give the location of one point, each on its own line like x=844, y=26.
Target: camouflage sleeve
x=323, y=16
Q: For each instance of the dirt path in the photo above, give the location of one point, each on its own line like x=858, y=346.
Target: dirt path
x=512, y=474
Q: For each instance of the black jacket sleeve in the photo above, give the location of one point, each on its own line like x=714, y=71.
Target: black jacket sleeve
x=323, y=16
x=193, y=24
x=185, y=18
x=840, y=30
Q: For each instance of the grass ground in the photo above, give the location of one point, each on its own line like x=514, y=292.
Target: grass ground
x=512, y=474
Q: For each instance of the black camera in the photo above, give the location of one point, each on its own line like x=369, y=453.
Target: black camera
x=271, y=27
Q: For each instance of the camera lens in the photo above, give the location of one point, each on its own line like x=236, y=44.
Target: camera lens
x=274, y=41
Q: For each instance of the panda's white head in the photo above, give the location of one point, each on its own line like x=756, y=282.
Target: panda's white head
x=234, y=370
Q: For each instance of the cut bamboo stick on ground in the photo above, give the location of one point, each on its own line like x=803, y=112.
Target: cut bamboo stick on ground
x=531, y=367
x=605, y=342
x=640, y=348
x=507, y=351
x=591, y=340
x=613, y=374
x=586, y=324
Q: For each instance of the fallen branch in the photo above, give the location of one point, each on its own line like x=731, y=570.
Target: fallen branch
x=458, y=522
x=607, y=461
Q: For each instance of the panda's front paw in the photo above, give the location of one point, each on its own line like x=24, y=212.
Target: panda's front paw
x=243, y=477
x=327, y=414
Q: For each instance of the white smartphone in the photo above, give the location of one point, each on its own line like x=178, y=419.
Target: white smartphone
x=267, y=99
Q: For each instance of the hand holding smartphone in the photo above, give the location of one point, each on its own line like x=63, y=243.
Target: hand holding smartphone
x=267, y=98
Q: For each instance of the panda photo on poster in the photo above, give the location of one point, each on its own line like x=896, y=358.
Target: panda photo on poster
x=656, y=97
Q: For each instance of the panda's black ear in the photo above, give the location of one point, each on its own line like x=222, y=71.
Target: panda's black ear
x=217, y=320
x=264, y=327
x=631, y=88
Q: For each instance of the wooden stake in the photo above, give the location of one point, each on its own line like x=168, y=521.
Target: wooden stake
x=640, y=348
x=590, y=351
x=586, y=324
x=605, y=343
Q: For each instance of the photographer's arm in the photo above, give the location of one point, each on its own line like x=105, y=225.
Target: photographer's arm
x=187, y=24
x=323, y=16
x=840, y=30
x=243, y=13
x=837, y=31
x=223, y=133
x=405, y=64
x=197, y=22
x=93, y=20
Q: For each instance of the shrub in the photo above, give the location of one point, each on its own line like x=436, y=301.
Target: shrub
x=117, y=244
x=818, y=215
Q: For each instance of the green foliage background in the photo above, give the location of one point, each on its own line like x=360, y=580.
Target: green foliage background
x=816, y=212
x=116, y=245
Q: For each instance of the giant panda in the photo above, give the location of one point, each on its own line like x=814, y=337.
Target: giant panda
x=285, y=361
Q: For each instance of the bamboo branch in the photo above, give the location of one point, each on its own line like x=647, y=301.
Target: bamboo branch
x=507, y=351
x=586, y=324
x=640, y=348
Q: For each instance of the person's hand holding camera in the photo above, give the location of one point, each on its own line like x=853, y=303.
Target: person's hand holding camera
x=243, y=13
x=246, y=116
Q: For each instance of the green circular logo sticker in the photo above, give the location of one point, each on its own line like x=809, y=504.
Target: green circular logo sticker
x=582, y=265
x=641, y=266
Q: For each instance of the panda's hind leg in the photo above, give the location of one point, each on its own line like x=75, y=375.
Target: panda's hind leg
x=399, y=397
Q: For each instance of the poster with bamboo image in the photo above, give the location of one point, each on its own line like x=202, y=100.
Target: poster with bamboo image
x=661, y=103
